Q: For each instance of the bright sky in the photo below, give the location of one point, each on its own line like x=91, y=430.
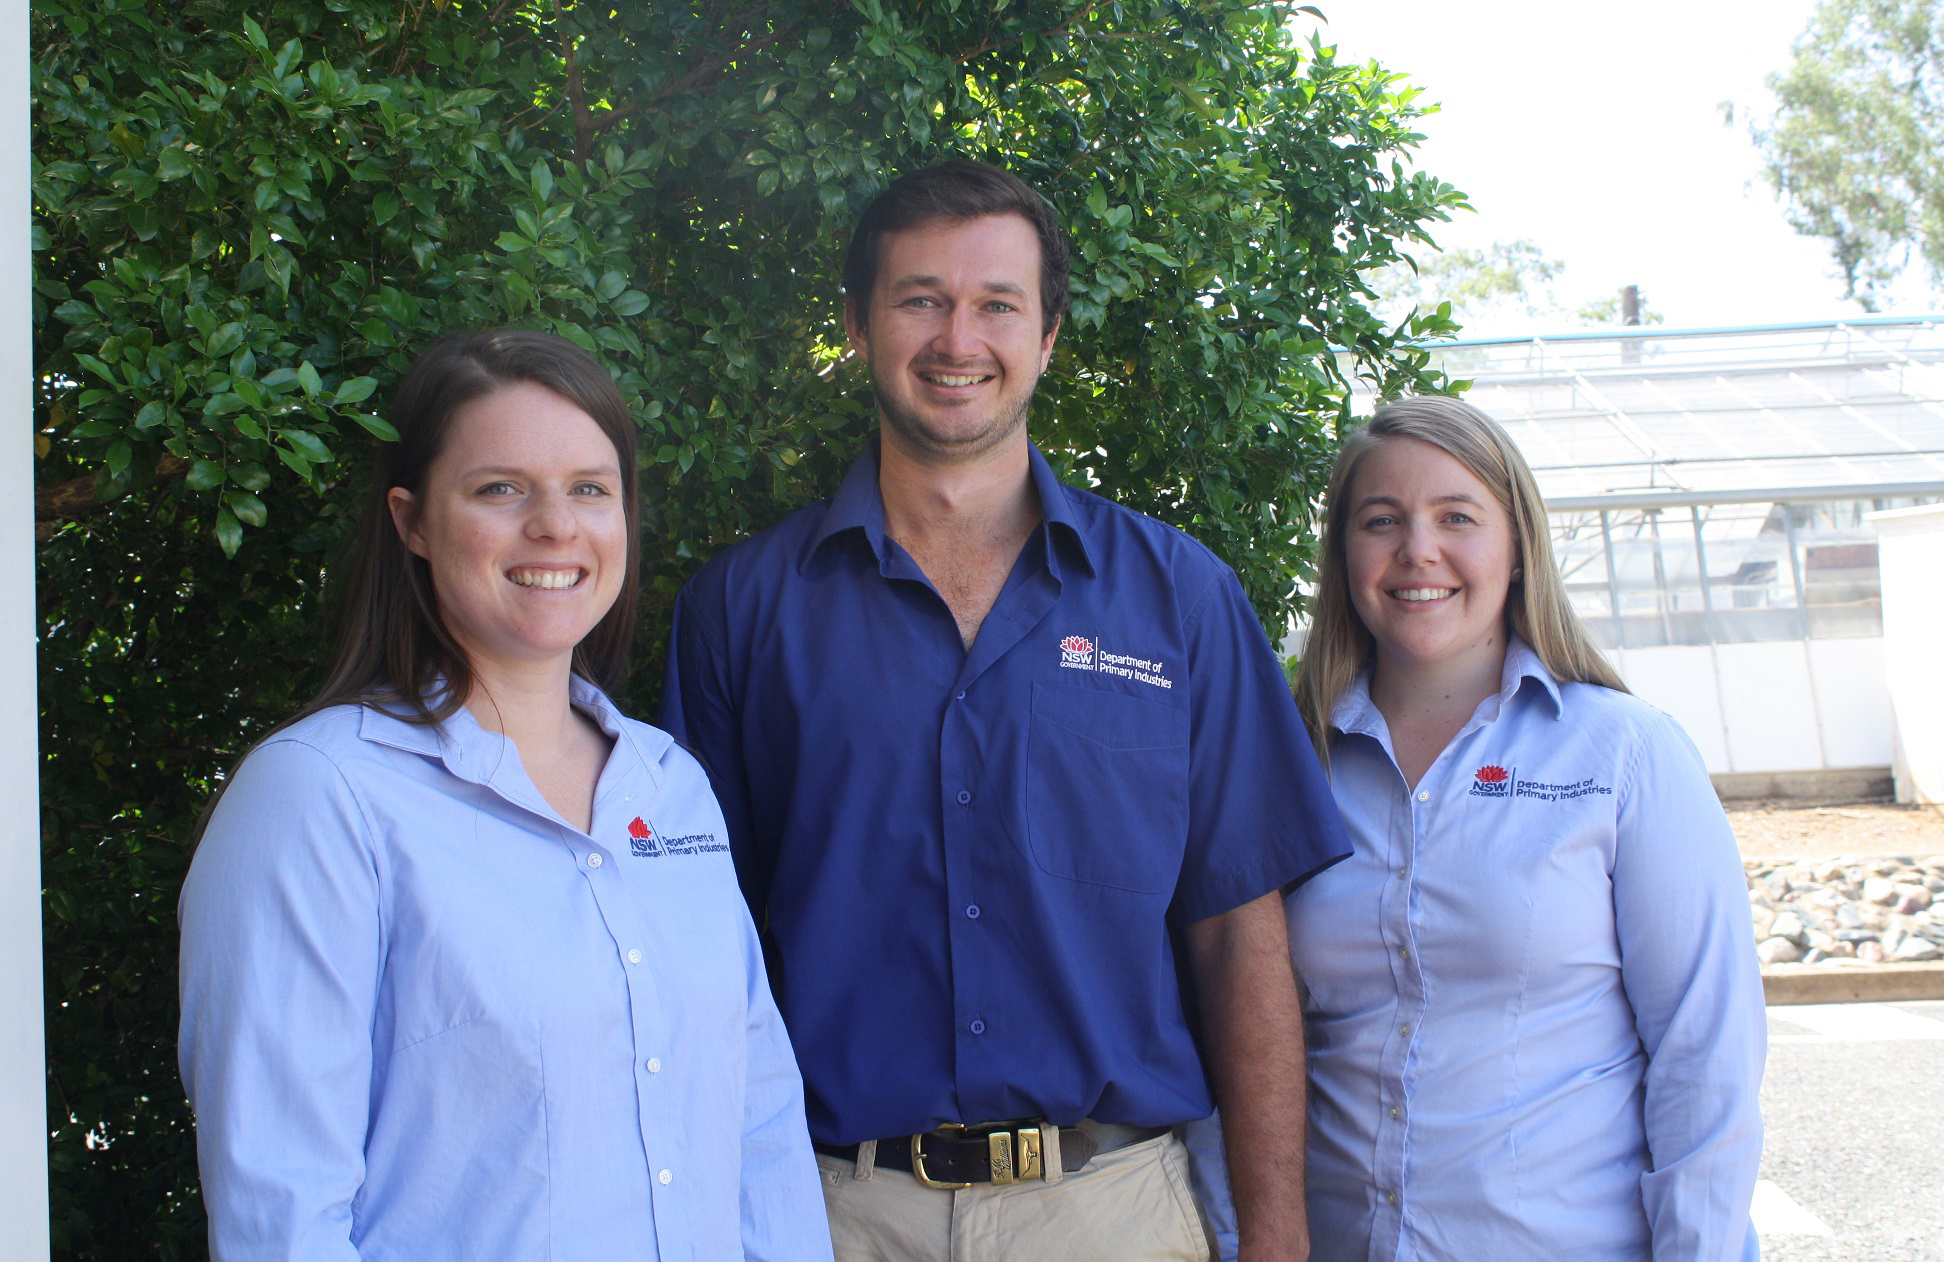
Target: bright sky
x=1595, y=131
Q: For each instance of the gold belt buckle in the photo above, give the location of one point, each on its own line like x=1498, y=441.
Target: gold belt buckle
x=1011, y=1154
x=918, y=1162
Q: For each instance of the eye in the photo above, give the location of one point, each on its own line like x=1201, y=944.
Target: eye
x=591, y=489
x=1462, y=519
x=919, y=302
x=494, y=490
x=1002, y=308
x=1379, y=521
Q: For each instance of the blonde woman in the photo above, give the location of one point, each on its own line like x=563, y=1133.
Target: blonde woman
x=1534, y=1012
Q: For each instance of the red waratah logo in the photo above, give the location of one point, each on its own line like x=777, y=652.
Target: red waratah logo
x=1493, y=775
x=1076, y=644
x=639, y=830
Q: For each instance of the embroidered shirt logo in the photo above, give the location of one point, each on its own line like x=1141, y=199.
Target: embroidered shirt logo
x=1077, y=652
x=1491, y=781
x=645, y=843
x=1494, y=781
x=641, y=838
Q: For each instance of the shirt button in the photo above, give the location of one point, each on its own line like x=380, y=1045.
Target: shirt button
x=653, y=1064
x=1424, y=795
x=665, y=1177
x=961, y=697
x=1390, y=1198
x=1405, y=1029
x=972, y=911
x=1403, y=953
x=1394, y=1110
x=634, y=955
x=964, y=796
x=977, y=1026
x=593, y=861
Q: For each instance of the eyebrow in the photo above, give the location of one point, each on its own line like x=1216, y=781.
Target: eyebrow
x=510, y=471
x=927, y=281
x=1394, y=502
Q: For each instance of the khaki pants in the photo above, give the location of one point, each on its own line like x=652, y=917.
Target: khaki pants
x=1129, y=1205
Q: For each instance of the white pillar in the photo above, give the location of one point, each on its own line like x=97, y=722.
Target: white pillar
x=1910, y=548
x=23, y=1067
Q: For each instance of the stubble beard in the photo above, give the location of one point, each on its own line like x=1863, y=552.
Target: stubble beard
x=911, y=431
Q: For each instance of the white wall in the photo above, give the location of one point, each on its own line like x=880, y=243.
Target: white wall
x=1910, y=548
x=1853, y=702
x=1774, y=706
x=23, y=1076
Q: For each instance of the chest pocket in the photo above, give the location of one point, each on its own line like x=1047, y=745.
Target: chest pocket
x=1107, y=788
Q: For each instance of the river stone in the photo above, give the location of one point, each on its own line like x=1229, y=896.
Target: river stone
x=1778, y=951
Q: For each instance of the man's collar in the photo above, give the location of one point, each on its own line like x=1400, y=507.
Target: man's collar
x=859, y=505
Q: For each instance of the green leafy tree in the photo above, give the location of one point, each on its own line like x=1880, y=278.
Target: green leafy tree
x=1856, y=145
x=246, y=223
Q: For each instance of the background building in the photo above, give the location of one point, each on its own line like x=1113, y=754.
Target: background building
x=1711, y=496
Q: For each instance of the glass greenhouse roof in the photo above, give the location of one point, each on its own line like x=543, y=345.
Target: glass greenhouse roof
x=1661, y=418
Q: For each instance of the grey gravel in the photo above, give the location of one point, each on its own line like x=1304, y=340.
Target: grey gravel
x=1875, y=909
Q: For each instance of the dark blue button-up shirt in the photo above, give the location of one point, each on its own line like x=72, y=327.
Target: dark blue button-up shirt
x=971, y=866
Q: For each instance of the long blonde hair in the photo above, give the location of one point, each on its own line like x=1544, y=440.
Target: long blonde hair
x=1537, y=608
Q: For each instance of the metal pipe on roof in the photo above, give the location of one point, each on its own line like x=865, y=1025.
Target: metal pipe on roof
x=1742, y=495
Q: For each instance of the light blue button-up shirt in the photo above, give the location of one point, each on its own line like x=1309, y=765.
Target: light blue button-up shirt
x=425, y=1018
x=1535, y=1016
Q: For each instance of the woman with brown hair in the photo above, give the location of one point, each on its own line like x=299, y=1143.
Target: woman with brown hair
x=466, y=973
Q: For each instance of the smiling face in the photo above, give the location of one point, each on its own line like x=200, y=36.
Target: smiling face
x=1430, y=555
x=522, y=525
x=954, y=335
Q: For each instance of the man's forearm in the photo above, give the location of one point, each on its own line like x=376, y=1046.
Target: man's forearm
x=1252, y=1028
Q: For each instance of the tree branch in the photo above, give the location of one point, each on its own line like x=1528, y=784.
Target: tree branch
x=75, y=498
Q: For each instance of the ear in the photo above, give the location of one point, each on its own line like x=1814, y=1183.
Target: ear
x=404, y=514
x=860, y=338
x=1046, y=344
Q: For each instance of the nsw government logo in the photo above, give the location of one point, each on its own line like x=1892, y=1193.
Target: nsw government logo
x=641, y=839
x=1492, y=781
x=1079, y=652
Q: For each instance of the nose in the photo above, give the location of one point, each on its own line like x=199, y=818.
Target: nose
x=956, y=338
x=552, y=516
x=1417, y=545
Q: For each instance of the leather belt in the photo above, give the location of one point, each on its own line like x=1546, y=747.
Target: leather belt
x=996, y=1152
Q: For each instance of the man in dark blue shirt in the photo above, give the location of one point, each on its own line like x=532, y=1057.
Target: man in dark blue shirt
x=997, y=756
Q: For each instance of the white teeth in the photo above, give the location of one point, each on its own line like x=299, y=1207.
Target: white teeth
x=550, y=579
x=943, y=379
x=1423, y=593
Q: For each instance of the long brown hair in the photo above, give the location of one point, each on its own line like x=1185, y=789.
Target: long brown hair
x=1536, y=608
x=391, y=642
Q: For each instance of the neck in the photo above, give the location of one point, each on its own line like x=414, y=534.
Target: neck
x=1406, y=692
x=924, y=499
x=529, y=704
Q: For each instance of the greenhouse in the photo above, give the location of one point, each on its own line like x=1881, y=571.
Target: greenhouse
x=1712, y=495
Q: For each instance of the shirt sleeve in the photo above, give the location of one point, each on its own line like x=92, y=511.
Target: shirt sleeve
x=1687, y=960
x=279, y=975
x=698, y=709
x=782, y=1193
x=1261, y=816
